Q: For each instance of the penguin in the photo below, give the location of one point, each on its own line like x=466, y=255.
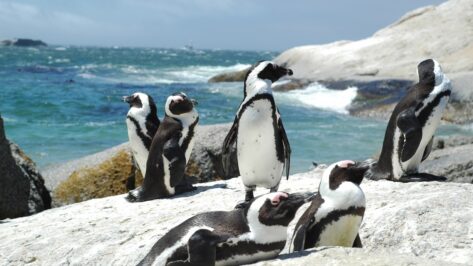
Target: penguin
x=335, y=214
x=142, y=122
x=236, y=237
x=170, y=151
x=262, y=145
x=410, y=131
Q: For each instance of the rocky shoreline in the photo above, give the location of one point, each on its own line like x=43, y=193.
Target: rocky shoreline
x=383, y=65
x=405, y=223
x=419, y=223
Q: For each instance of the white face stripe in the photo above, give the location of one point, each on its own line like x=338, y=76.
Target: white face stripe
x=168, y=103
x=140, y=114
x=347, y=194
x=438, y=73
x=259, y=232
x=186, y=118
x=255, y=85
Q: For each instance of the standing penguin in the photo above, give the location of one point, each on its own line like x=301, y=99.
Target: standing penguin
x=409, y=135
x=142, y=122
x=262, y=144
x=170, y=151
x=336, y=212
x=241, y=236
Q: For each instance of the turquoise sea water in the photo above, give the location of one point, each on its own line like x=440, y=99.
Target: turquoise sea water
x=61, y=103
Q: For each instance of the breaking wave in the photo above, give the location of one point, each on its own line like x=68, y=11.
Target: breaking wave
x=318, y=96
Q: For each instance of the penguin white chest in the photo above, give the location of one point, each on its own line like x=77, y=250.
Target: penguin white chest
x=256, y=146
x=341, y=232
x=138, y=148
x=185, y=134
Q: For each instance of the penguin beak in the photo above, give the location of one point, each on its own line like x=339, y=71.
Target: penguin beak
x=357, y=171
x=282, y=71
x=127, y=99
x=194, y=102
x=295, y=200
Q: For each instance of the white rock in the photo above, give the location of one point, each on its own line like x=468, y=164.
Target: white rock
x=426, y=223
x=444, y=32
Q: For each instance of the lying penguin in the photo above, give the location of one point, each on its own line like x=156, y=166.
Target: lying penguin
x=336, y=212
x=263, y=148
x=410, y=131
x=142, y=123
x=241, y=236
x=169, y=152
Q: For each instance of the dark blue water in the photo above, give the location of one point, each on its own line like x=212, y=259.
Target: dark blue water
x=61, y=103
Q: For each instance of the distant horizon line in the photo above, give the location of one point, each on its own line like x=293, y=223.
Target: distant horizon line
x=183, y=47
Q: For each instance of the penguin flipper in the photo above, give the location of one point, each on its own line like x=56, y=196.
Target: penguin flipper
x=428, y=149
x=287, y=146
x=299, y=240
x=201, y=248
x=412, y=131
x=227, y=144
x=177, y=159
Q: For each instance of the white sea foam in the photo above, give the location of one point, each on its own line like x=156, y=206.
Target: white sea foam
x=100, y=124
x=87, y=75
x=318, y=96
x=200, y=73
x=138, y=75
x=8, y=119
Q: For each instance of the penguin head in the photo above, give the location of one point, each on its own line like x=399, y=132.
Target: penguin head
x=141, y=104
x=179, y=105
x=342, y=179
x=278, y=208
x=430, y=72
x=261, y=75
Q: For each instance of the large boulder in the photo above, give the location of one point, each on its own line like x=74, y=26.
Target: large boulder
x=230, y=76
x=351, y=256
x=22, y=190
x=111, y=172
x=444, y=32
x=452, y=158
x=206, y=158
x=426, y=223
x=114, y=176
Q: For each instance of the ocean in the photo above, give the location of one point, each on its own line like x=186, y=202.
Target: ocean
x=62, y=103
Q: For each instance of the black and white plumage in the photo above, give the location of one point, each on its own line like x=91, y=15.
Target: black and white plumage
x=241, y=236
x=411, y=128
x=142, y=122
x=170, y=151
x=262, y=145
x=335, y=214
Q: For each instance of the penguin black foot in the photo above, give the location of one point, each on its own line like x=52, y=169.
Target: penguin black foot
x=248, y=197
x=421, y=177
x=183, y=188
x=139, y=195
x=134, y=195
x=190, y=179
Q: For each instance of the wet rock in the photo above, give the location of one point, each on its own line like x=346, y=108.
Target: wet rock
x=23, y=43
x=22, y=190
x=230, y=76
